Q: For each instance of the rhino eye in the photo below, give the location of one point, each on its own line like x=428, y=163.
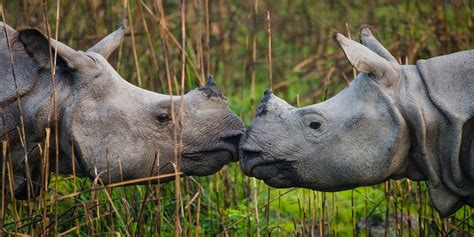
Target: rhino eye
x=315, y=125
x=163, y=117
x=92, y=58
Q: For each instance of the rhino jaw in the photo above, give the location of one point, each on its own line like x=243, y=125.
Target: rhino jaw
x=255, y=162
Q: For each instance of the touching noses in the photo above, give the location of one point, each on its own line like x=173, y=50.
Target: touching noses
x=232, y=139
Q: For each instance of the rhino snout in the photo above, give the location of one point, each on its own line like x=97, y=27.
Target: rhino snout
x=231, y=139
x=249, y=158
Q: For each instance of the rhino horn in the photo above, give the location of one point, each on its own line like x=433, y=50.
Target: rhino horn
x=210, y=89
x=110, y=43
x=271, y=103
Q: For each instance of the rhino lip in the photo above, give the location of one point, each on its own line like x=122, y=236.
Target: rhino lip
x=200, y=155
x=229, y=143
x=268, y=163
x=254, y=158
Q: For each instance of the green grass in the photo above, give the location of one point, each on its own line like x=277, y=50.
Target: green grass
x=306, y=64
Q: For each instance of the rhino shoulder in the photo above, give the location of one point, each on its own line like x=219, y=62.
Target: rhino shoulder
x=22, y=70
x=450, y=82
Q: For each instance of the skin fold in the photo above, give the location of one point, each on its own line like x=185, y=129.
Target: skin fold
x=109, y=128
x=392, y=121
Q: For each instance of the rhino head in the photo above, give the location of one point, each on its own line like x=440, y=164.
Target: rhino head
x=384, y=125
x=109, y=127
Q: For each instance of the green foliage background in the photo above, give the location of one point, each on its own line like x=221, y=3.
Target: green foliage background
x=221, y=39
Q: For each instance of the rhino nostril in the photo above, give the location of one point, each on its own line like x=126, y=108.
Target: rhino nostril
x=232, y=138
x=231, y=133
x=248, y=160
x=250, y=154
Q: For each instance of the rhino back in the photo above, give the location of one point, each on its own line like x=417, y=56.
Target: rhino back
x=25, y=68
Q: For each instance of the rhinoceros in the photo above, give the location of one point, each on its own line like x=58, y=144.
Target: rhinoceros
x=106, y=126
x=392, y=121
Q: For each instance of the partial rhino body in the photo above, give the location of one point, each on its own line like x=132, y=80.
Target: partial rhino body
x=392, y=121
x=106, y=126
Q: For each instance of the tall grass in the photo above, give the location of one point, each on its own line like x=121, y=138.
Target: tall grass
x=286, y=45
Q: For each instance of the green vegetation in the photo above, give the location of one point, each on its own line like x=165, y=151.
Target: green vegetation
x=230, y=40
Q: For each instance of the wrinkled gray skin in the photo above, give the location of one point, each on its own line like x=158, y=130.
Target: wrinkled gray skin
x=104, y=121
x=392, y=121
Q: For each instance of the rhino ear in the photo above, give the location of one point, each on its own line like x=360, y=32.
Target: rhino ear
x=368, y=40
x=9, y=29
x=107, y=45
x=365, y=60
x=37, y=46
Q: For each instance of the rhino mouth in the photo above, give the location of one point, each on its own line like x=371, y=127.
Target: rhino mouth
x=205, y=163
x=228, y=142
x=212, y=159
x=203, y=155
x=255, y=163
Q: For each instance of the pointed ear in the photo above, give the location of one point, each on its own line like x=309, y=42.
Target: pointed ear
x=107, y=45
x=368, y=40
x=365, y=60
x=37, y=46
x=9, y=30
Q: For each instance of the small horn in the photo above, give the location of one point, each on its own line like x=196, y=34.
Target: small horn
x=271, y=104
x=262, y=107
x=210, y=89
x=210, y=82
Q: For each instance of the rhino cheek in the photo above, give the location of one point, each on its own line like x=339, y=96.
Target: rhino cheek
x=359, y=156
x=127, y=157
x=109, y=136
x=365, y=144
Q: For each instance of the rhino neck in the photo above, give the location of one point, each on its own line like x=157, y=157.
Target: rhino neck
x=428, y=128
x=35, y=109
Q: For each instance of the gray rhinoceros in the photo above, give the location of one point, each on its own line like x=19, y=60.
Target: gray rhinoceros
x=392, y=121
x=104, y=122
